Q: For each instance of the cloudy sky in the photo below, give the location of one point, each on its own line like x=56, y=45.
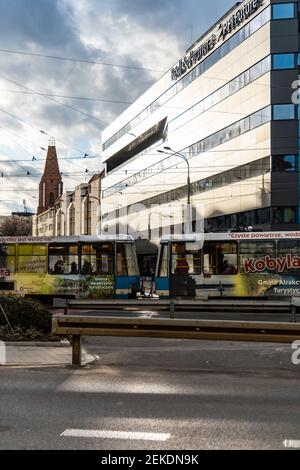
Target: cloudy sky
x=73, y=100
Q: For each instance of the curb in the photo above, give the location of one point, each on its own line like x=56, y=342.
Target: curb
x=88, y=359
x=40, y=344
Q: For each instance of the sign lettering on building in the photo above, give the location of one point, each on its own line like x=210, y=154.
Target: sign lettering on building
x=195, y=56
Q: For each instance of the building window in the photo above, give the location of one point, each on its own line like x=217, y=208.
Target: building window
x=72, y=220
x=51, y=199
x=283, y=61
x=283, y=11
x=284, y=163
x=87, y=219
x=283, y=112
x=284, y=215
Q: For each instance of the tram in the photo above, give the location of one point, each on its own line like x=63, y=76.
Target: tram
x=69, y=267
x=255, y=265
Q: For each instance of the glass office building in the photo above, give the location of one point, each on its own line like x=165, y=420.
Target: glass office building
x=227, y=106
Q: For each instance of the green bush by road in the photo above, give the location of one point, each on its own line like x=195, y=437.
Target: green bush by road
x=29, y=319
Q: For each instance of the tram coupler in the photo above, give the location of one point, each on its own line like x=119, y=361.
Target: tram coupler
x=221, y=289
x=172, y=308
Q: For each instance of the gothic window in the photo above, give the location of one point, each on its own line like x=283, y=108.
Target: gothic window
x=51, y=199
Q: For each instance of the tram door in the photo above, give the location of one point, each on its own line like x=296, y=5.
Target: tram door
x=185, y=269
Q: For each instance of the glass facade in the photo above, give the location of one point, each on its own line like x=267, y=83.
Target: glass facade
x=263, y=116
x=222, y=93
x=284, y=215
x=256, y=174
x=283, y=61
x=284, y=163
x=273, y=62
x=236, y=221
x=227, y=47
x=282, y=112
x=283, y=11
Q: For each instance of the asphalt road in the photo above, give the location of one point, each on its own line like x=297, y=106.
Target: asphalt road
x=180, y=394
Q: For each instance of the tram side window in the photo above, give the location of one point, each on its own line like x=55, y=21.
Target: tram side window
x=97, y=258
x=7, y=260
x=163, y=263
x=63, y=259
x=220, y=259
x=289, y=257
x=253, y=257
x=185, y=261
x=32, y=259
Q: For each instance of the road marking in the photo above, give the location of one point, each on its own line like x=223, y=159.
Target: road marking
x=103, y=434
x=291, y=444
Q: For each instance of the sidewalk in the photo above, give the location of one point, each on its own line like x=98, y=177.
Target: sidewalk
x=36, y=355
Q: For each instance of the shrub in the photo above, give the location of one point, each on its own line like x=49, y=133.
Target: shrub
x=22, y=334
x=25, y=313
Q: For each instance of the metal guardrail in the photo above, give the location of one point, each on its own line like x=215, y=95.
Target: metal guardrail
x=215, y=305
x=79, y=326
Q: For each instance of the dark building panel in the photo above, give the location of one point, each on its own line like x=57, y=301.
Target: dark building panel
x=284, y=36
x=284, y=137
x=284, y=189
x=281, y=90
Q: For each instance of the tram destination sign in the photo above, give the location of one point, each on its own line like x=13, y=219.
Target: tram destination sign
x=225, y=28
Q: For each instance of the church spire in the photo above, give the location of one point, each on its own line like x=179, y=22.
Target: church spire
x=51, y=185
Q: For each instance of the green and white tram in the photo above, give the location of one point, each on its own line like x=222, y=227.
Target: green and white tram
x=75, y=267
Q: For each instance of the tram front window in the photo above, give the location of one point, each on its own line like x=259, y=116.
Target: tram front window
x=8, y=258
x=220, y=259
x=127, y=264
x=163, y=262
x=185, y=261
x=97, y=258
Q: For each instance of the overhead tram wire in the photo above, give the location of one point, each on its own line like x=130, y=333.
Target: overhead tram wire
x=102, y=100
x=83, y=61
x=54, y=100
x=11, y=135
x=40, y=130
x=17, y=161
x=204, y=76
x=136, y=170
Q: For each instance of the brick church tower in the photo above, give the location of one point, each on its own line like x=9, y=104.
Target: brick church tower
x=51, y=185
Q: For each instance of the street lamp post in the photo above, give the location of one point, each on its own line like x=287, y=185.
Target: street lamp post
x=170, y=151
x=99, y=202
